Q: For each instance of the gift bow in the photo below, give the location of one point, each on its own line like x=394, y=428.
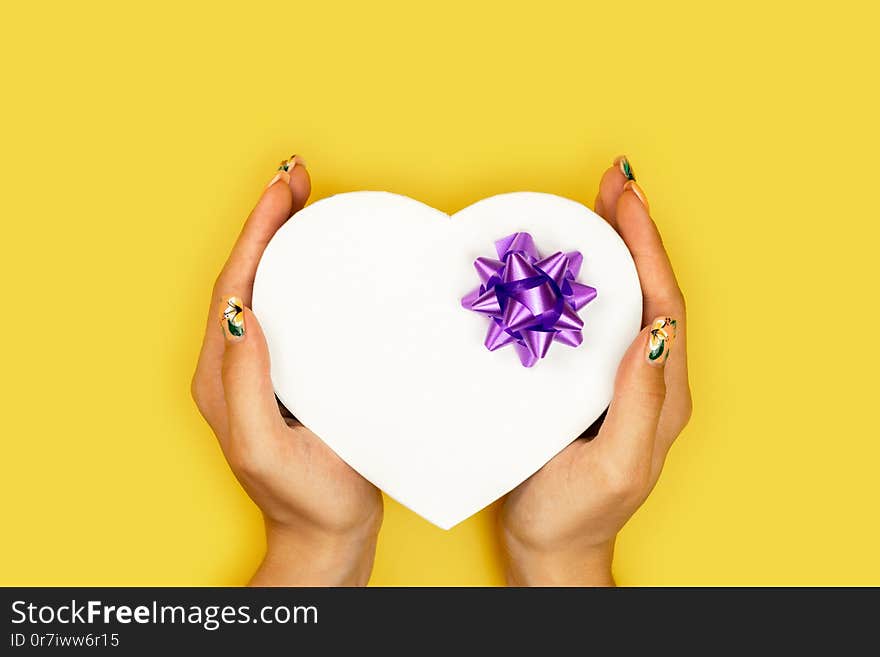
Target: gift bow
x=530, y=301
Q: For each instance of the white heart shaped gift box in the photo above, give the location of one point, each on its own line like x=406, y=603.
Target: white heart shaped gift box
x=359, y=296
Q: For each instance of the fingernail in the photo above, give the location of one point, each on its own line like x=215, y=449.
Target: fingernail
x=638, y=191
x=291, y=162
x=625, y=168
x=281, y=175
x=232, y=318
x=660, y=339
x=285, y=168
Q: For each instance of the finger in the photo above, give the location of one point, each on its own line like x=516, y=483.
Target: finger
x=662, y=297
x=610, y=188
x=628, y=434
x=247, y=387
x=677, y=409
x=286, y=193
x=659, y=288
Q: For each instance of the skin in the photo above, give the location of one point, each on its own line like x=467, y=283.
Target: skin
x=559, y=526
x=322, y=518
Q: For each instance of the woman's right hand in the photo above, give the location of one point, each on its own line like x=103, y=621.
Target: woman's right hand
x=322, y=518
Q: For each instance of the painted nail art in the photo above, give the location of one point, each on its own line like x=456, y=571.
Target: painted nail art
x=232, y=318
x=285, y=168
x=660, y=339
x=638, y=191
x=625, y=168
x=291, y=162
x=281, y=175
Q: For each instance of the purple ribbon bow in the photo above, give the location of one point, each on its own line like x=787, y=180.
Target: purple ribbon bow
x=530, y=302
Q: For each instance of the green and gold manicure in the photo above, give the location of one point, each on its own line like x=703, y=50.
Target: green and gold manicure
x=660, y=340
x=289, y=163
x=232, y=318
x=625, y=168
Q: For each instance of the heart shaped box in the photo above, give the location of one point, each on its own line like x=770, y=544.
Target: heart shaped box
x=359, y=298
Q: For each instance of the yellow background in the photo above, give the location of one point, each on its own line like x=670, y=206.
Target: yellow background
x=136, y=136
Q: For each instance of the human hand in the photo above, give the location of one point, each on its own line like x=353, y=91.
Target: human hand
x=322, y=518
x=559, y=526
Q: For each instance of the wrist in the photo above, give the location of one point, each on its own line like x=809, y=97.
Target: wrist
x=572, y=565
x=307, y=557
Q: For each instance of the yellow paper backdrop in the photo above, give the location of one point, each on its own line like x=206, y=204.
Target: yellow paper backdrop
x=136, y=136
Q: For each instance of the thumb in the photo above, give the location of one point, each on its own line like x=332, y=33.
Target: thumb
x=639, y=394
x=247, y=386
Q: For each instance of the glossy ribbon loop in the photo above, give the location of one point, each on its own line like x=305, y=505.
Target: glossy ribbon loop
x=530, y=301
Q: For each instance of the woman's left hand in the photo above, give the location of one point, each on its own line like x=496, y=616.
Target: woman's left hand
x=559, y=526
